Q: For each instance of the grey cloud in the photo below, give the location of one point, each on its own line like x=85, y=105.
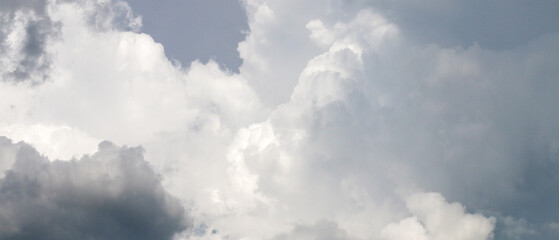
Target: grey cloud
x=494, y=25
x=8, y=153
x=487, y=140
x=492, y=144
x=517, y=229
x=113, y=194
x=31, y=60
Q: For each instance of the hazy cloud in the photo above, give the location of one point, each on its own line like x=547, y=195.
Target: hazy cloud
x=494, y=25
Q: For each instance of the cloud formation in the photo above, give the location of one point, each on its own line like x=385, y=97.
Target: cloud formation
x=436, y=219
x=344, y=121
x=28, y=26
x=113, y=194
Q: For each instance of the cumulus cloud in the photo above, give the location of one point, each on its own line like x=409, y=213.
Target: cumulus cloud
x=128, y=69
x=377, y=110
x=336, y=109
x=436, y=219
x=112, y=194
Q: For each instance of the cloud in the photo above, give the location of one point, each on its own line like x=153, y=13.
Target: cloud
x=377, y=110
x=436, y=219
x=320, y=230
x=113, y=194
x=122, y=85
x=337, y=109
x=496, y=26
x=26, y=28
x=53, y=140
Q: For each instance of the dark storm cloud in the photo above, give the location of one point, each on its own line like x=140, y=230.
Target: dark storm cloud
x=32, y=59
x=113, y=194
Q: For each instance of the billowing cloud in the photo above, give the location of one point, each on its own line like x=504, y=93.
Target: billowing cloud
x=436, y=219
x=113, y=194
x=338, y=111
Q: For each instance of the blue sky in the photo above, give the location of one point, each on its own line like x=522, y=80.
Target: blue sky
x=193, y=29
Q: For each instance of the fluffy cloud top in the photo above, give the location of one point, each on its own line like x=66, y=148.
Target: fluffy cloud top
x=437, y=220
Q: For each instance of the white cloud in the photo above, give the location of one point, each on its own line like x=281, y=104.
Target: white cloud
x=435, y=219
x=57, y=142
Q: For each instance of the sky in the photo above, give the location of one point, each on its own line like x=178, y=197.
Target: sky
x=195, y=29
x=279, y=119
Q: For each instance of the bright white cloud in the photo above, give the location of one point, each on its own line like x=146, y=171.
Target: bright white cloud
x=435, y=219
